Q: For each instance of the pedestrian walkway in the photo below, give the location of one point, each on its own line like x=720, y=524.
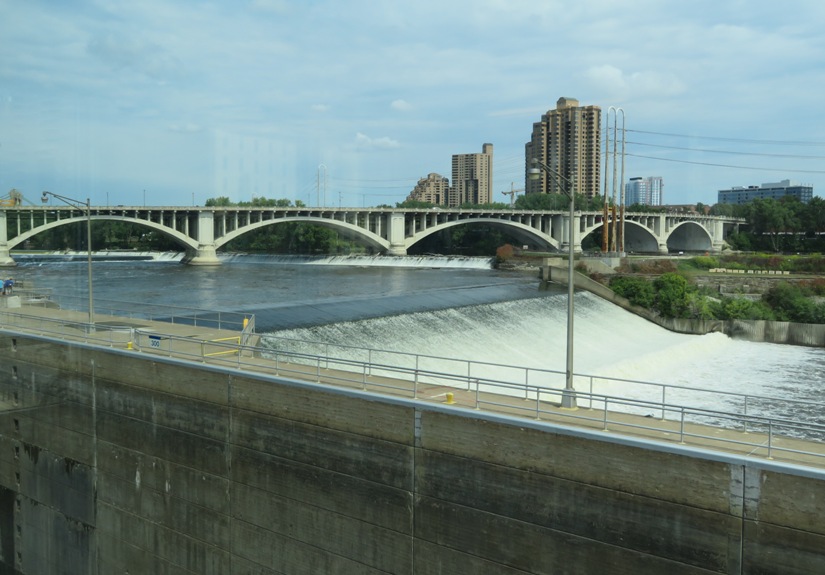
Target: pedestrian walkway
x=222, y=347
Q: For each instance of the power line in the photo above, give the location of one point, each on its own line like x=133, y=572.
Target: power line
x=727, y=165
x=795, y=156
x=747, y=140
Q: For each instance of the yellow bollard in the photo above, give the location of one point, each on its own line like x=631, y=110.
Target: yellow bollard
x=245, y=322
x=128, y=345
x=449, y=399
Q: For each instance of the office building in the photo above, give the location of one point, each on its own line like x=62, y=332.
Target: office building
x=644, y=191
x=472, y=178
x=773, y=191
x=568, y=140
x=433, y=189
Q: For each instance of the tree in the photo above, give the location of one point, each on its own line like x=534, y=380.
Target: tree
x=671, y=295
x=770, y=218
x=638, y=291
x=220, y=201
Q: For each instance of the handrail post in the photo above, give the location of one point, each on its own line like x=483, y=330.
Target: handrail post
x=318, y=369
x=364, y=377
x=538, y=403
x=590, y=406
x=526, y=382
x=682, y=427
x=469, y=367
x=745, y=419
x=415, y=379
x=604, y=420
x=770, y=439
x=664, y=390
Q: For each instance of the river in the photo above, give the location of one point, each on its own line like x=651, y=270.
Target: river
x=448, y=307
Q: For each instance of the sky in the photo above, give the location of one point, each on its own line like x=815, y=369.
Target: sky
x=350, y=102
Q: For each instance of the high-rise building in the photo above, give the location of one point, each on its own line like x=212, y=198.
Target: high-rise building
x=774, y=191
x=644, y=191
x=472, y=178
x=434, y=189
x=568, y=140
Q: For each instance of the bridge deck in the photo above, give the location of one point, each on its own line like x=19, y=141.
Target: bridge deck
x=205, y=345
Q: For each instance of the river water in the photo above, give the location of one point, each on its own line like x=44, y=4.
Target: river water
x=454, y=308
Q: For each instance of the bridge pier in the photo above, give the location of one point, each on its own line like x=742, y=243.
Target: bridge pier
x=204, y=256
x=396, y=235
x=6, y=260
x=5, y=256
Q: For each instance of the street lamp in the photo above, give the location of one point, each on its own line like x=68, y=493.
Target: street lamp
x=87, y=206
x=568, y=396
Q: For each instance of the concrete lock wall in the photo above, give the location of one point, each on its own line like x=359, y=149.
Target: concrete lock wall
x=114, y=462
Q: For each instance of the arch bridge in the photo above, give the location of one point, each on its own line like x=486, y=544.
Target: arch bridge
x=201, y=231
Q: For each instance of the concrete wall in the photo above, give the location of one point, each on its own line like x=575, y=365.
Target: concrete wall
x=112, y=463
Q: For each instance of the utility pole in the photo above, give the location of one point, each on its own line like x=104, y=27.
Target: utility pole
x=512, y=193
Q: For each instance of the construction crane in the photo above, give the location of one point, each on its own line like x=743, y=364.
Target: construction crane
x=13, y=198
x=512, y=193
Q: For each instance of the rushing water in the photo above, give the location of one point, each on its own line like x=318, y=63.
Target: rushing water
x=469, y=312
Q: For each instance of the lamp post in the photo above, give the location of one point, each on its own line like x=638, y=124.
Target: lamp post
x=568, y=396
x=87, y=206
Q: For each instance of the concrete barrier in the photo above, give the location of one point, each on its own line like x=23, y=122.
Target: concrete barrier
x=151, y=465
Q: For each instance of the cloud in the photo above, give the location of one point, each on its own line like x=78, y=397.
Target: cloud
x=613, y=80
x=401, y=105
x=320, y=108
x=363, y=141
x=188, y=128
x=131, y=54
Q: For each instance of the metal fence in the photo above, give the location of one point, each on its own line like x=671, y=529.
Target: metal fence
x=757, y=424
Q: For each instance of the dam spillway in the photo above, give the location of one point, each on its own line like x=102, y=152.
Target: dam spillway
x=130, y=461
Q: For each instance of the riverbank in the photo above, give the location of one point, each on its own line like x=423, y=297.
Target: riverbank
x=782, y=332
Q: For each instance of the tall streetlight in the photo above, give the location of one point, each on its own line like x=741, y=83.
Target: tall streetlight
x=568, y=396
x=87, y=206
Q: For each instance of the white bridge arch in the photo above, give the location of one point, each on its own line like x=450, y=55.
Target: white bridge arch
x=201, y=231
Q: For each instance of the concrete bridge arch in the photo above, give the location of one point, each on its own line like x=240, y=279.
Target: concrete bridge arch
x=185, y=242
x=350, y=230
x=519, y=230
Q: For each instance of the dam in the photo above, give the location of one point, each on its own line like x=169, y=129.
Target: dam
x=120, y=458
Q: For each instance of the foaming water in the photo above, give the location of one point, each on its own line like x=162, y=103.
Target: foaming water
x=608, y=342
x=431, y=261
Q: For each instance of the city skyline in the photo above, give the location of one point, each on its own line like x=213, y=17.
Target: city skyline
x=172, y=103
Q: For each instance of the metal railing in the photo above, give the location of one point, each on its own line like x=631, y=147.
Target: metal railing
x=196, y=317
x=668, y=412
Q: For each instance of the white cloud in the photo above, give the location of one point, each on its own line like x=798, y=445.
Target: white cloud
x=320, y=108
x=385, y=143
x=188, y=128
x=401, y=105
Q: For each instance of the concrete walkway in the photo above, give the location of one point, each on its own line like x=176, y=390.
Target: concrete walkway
x=220, y=347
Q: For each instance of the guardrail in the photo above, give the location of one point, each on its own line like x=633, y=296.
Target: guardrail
x=676, y=412
x=196, y=317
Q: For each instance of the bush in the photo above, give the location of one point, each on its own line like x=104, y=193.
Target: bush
x=705, y=262
x=671, y=295
x=637, y=291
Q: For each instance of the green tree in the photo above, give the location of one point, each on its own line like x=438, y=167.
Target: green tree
x=638, y=291
x=671, y=295
x=220, y=201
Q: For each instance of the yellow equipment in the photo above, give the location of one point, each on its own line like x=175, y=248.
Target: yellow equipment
x=13, y=198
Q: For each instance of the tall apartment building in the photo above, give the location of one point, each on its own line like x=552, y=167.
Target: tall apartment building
x=775, y=191
x=568, y=140
x=472, y=178
x=434, y=189
x=645, y=191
